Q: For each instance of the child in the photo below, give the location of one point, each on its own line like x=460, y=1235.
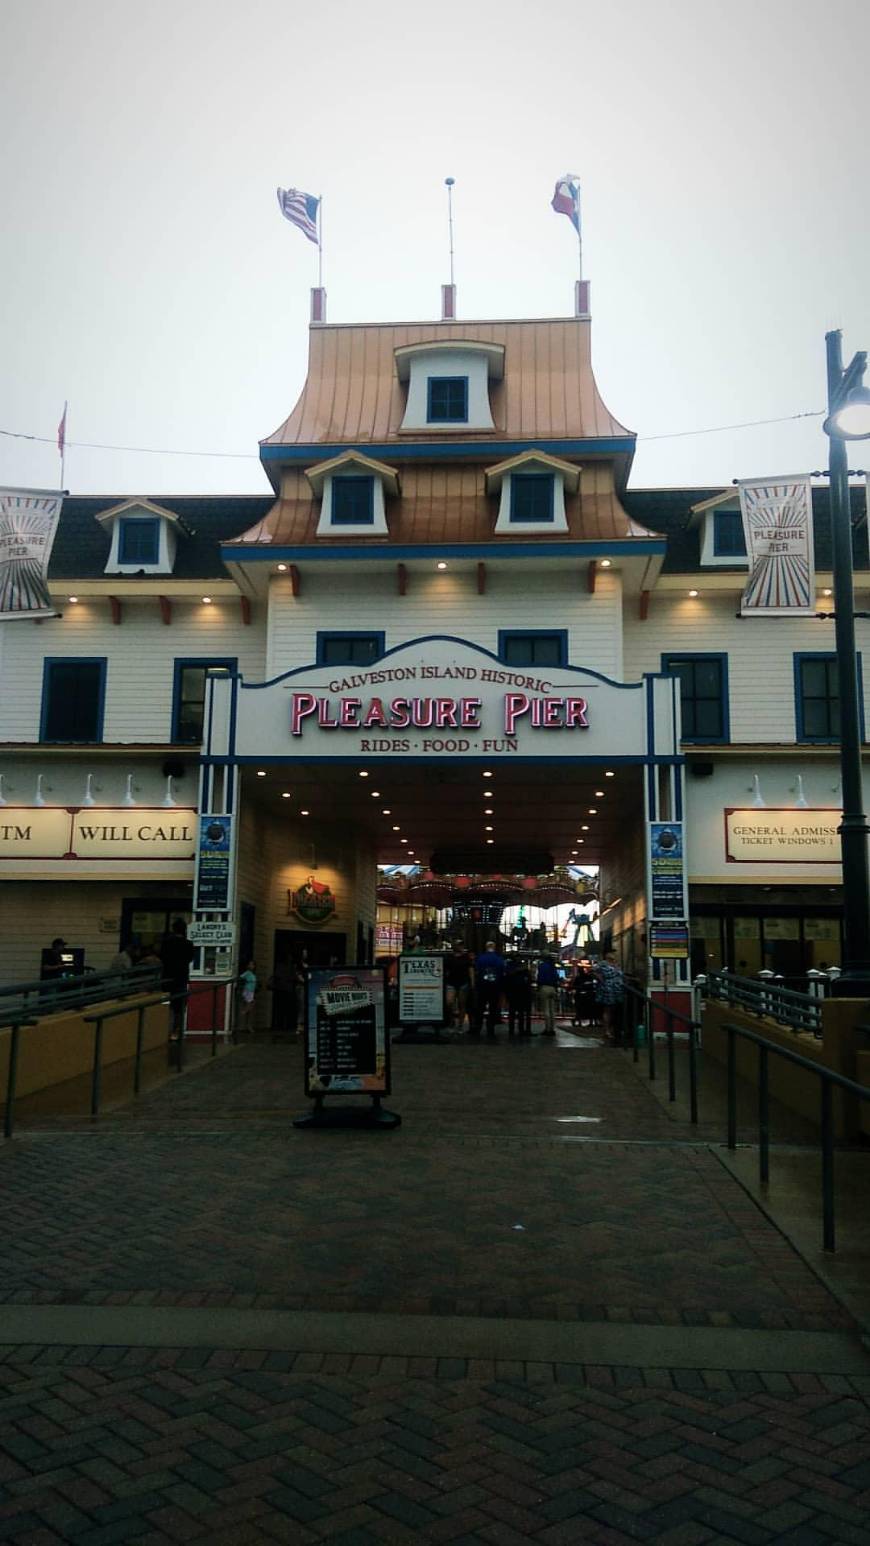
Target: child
x=247, y=994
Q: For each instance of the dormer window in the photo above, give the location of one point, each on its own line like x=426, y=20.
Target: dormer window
x=532, y=495
x=352, y=489
x=721, y=540
x=728, y=538
x=138, y=540
x=143, y=537
x=448, y=384
x=531, y=489
x=353, y=501
x=447, y=399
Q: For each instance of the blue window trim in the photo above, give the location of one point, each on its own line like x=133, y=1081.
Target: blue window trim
x=800, y=734
x=718, y=550
x=704, y=655
x=348, y=633
x=559, y=634
x=73, y=660
x=439, y=419
x=229, y=662
x=353, y=520
x=539, y=477
x=124, y=525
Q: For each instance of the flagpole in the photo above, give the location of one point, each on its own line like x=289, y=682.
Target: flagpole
x=449, y=181
x=63, y=446
x=579, y=234
x=320, y=244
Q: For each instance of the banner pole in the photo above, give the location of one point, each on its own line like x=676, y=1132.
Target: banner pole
x=320, y=244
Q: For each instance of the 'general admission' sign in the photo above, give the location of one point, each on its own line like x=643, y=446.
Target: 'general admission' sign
x=445, y=697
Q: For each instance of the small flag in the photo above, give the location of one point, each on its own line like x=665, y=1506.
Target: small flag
x=300, y=209
x=566, y=199
x=61, y=431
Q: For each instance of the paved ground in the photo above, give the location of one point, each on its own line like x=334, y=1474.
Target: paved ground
x=543, y=1310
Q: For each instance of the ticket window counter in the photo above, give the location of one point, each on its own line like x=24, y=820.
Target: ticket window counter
x=145, y=921
x=747, y=943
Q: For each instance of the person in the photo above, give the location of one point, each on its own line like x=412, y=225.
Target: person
x=176, y=954
x=609, y=992
x=548, y=988
x=583, y=988
x=247, y=997
x=488, y=979
x=122, y=962
x=53, y=963
x=457, y=979
x=518, y=990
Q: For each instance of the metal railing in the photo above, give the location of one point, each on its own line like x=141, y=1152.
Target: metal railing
x=648, y=1009
x=175, y=1042
x=21, y=1001
x=766, y=997
x=828, y=1082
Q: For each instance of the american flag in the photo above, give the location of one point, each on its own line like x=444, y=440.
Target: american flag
x=300, y=209
x=61, y=431
x=566, y=199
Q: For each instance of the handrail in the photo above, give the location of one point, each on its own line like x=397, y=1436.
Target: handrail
x=800, y=1011
x=660, y=1006
x=47, y=996
x=829, y=1079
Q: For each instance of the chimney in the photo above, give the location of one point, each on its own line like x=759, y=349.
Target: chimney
x=318, y=305
x=581, y=298
x=448, y=303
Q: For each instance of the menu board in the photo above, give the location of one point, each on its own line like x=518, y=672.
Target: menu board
x=346, y=1044
x=421, y=990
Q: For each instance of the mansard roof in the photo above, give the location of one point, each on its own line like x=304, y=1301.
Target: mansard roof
x=353, y=394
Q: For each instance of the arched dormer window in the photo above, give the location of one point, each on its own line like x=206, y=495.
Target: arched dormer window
x=531, y=489
x=448, y=384
x=352, y=490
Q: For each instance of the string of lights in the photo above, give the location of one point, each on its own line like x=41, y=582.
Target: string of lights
x=250, y=456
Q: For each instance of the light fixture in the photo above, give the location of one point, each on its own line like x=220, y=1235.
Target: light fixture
x=129, y=798
x=827, y=591
x=305, y=813
x=584, y=829
x=261, y=772
x=89, y=788
x=39, y=797
x=282, y=568
x=73, y=599
x=441, y=564
x=486, y=775
x=693, y=593
x=488, y=829
x=386, y=812
x=376, y=794
x=286, y=794
x=206, y=601
x=490, y=840
x=608, y=774
x=397, y=829
x=403, y=840
x=580, y=840
x=487, y=794
x=599, y=794
x=851, y=421
x=801, y=801
x=489, y=811
x=605, y=563
x=593, y=810
x=363, y=774
x=758, y=800
x=168, y=801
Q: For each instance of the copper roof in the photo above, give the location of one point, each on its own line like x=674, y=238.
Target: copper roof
x=445, y=503
x=352, y=394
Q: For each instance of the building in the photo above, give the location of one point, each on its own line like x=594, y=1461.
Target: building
x=453, y=636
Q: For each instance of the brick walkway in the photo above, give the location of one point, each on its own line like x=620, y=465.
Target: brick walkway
x=664, y=1361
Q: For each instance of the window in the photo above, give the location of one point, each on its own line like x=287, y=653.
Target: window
x=139, y=541
x=533, y=649
x=73, y=694
x=353, y=501
x=531, y=496
x=817, y=697
x=703, y=694
x=728, y=538
x=447, y=400
x=349, y=649
x=188, y=697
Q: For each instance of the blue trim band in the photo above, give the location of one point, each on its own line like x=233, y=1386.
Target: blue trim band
x=371, y=549
x=396, y=451
x=402, y=759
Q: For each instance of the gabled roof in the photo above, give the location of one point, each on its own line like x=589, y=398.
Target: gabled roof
x=569, y=470
x=135, y=503
x=346, y=462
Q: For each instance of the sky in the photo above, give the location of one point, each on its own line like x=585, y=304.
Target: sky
x=147, y=276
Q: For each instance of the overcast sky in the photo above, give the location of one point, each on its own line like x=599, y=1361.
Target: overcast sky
x=147, y=275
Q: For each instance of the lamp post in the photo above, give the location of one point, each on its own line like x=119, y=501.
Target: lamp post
x=848, y=419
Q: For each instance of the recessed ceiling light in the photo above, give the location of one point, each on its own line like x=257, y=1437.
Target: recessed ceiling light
x=581, y=840
x=489, y=811
x=397, y=829
x=304, y=813
x=376, y=794
x=583, y=829
x=486, y=775
x=490, y=840
x=489, y=829
x=826, y=592
x=608, y=774
x=693, y=593
x=364, y=775
x=487, y=794
x=74, y=599
x=386, y=813
x=261, y=772
x=403, y=840
x=286, y=794
x=599, y=794
x=593, y=811
x=206, y=601
x=605, y=563
x=282, y=568
x=441, y=565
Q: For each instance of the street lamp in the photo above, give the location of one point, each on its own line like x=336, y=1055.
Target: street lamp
x=848, y=418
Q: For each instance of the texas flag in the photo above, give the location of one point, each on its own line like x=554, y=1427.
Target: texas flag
x=566, y=199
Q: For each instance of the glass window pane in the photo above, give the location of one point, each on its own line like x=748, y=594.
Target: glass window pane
x=350, y=650
x=708, y=717
x=531, y=496
x=708, y=678
x=447, y=399
x=139, y=541
x=814, y=678
x=352, y=501
x=817, y=719
x=73, y=693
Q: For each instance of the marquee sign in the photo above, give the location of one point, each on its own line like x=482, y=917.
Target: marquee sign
x=443, y=697
x=786, y=836
x=64, y=832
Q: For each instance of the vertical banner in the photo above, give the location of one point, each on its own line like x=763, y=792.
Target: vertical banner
x=213, y=861
x=666, y=870
x=28, y=522
x=778, y=526
x=347, y=1048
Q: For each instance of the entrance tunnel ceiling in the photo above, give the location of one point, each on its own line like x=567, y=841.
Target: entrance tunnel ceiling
x=487, y=814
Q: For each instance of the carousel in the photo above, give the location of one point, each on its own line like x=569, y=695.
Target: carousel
x=556, y=912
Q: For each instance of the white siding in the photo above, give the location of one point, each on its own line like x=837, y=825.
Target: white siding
x=140, y=653
x=448, y=603
x=85, y=913
x=760, y=655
